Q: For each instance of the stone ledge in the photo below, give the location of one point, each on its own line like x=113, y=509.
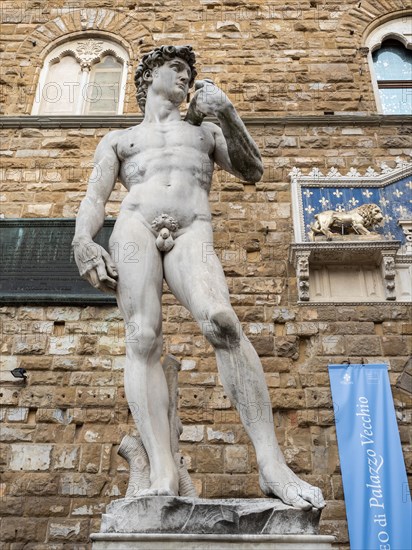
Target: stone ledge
x=135, y=541
x=343, y=251
x=125, y=121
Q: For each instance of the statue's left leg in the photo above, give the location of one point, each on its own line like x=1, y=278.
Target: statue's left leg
x=195, y=276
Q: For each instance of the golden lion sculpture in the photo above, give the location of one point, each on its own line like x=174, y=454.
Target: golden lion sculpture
x=356, y=221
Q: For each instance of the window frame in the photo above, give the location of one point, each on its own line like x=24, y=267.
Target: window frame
x=398, y=29
x=85, y=59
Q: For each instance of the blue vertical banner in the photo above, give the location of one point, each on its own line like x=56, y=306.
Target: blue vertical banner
x=378, y=503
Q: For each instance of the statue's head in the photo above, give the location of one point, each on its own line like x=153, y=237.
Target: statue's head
x=157, y=58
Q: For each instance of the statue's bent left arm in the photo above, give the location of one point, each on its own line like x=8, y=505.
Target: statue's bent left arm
x=242, y=150
x=235, y=150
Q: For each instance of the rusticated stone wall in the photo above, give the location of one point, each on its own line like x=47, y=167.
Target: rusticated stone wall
x=62, y=428
x=272, y=57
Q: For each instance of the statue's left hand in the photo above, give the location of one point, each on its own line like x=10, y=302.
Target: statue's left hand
x=209, y=99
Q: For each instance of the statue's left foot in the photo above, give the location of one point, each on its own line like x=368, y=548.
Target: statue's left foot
x=156, y=492
x=160, y=487
x=278, y=480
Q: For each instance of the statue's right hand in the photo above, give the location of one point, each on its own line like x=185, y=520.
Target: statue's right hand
x=95, y=265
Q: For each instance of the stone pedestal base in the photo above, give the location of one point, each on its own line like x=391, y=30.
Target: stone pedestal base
x=200, y=516
x=154, y=541
x=173, y=523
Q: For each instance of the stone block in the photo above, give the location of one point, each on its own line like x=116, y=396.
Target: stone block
x=192, y=397
x=11, y=434
x=87, y=345
x=220, y=435
x=11, y=506
x=26, y=344
x=318, y=397
x=14, y=530
x=236, y=459
x=188, y=364
x=332, y=345
x=68, y=530
x=264, y=345
x=287, y=380
x=337, y=529
x=66, y=363
x=95, y=396
x=272, y=379
x=34, y=484
x=287, y=399
x=395, y=345
x=282, y=315
x=302, y=329
x=331, y=72
x=196, y=415
x=109, y=345
x=209, y=458
x=63, y=397
x=218, y=399
x=10, y=396
x=32, y=457
x=197, y=378
x=346, y=328
x=47, y=507
x=85, y=507
x=363, y=345
x=307, y=417
x=287, y=346
x=81, y=484
x=192, y=433
x=298, y=459
x=66, y=457
x=62, y=345
x=334, y=510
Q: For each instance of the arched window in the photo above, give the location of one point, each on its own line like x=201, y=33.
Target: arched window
x=393, y=72
x=82, y=77
x=390, y=59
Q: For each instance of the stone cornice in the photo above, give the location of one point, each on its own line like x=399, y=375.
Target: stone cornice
x=125, y=121
x=334, y=303
x=343, y=251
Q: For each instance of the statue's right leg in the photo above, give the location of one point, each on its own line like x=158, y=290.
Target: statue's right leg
x=139, y=294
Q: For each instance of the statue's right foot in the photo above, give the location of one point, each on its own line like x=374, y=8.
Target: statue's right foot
x=278, y=480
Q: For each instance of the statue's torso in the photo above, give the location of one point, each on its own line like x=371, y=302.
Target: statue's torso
x=167, y=168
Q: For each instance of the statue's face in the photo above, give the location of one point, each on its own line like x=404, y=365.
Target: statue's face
x=171, y=80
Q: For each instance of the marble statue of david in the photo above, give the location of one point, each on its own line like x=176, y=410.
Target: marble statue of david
x=166, y=164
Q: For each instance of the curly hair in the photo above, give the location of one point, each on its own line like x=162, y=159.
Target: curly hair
x=368, y=213
x=156, y=58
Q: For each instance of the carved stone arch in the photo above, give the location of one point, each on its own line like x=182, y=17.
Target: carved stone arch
x=106, y=51
x=356, y=25
x=381, y=29
x=395, y=25
x=123, y=29
x=365, y=15
x=60, y=55
x=86, y=49
x=84, y=36
x=126, y=30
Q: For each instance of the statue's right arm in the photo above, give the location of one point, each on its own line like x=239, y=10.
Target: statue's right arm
x=102, y=180
x=94, y=263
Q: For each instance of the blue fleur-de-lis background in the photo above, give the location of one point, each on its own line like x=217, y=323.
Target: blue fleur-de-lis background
x=395, y=201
